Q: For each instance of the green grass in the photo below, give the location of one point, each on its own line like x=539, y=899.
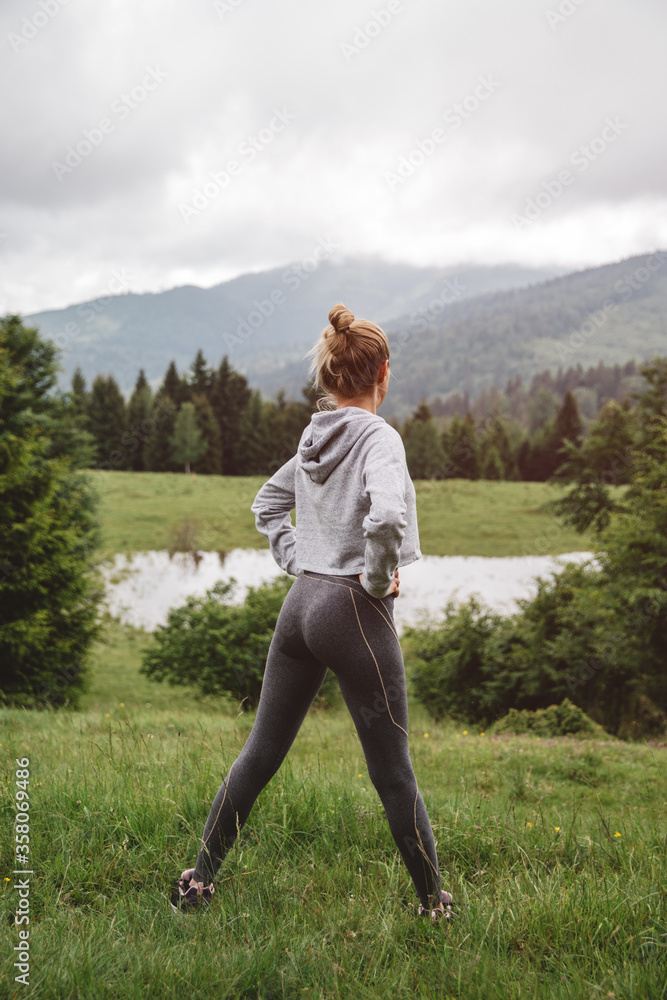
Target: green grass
x=314, y=901
x=456, y=517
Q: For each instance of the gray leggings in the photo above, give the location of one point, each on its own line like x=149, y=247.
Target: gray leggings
x=331, y=622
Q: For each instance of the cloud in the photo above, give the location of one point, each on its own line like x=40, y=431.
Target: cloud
x=365, y=87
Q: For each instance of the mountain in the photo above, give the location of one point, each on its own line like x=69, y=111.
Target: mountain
x=613, y=313
x=264, y=322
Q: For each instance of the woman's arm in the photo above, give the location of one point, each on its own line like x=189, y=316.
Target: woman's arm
x=385, y=524
x=272, y=507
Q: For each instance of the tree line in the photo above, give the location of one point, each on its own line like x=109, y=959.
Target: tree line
x=206, y=420
x=210, y=421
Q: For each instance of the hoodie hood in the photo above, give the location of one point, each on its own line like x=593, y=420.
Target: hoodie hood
x=330, y=436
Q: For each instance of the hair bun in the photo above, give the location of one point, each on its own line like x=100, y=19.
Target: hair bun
x=340, y=318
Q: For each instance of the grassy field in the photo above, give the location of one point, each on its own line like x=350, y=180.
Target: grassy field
x=556, y=851
x=456, y=517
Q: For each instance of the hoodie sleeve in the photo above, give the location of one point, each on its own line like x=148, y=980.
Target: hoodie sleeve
x=271, y=508
x=384, y=526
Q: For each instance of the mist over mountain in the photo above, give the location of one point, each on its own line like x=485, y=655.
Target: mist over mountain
x=613, y=313
x=264, y=322
x=449, y=330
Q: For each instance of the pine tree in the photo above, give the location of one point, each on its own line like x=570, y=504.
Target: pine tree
x=210, y=462
x=107, y=421
x=157, y=448
x=187, y=444
x=231, y=396
x=497, y=441
x=285, y=421
x=79, y=396
x=424, y=453
x=201, y=377
x=568, y=426
x=139, y=421
x=253, y=439
x=459, y=442
x=491, y=466
x=174, y=386
x=49, y=595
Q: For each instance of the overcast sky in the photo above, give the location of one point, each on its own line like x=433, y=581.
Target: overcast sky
x=429, y=131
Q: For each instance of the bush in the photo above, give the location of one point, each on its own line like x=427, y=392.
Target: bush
x=597, y=634
x=565, y=719
x=573, y=640
x=49, y=590
x=446, y=663
x=221, y=648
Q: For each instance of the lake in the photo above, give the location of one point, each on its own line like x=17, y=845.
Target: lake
x=142, y=588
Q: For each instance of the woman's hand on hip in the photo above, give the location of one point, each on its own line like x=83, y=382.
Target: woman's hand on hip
x=395, y=584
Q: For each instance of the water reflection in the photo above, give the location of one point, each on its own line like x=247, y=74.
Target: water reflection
x=141, y=589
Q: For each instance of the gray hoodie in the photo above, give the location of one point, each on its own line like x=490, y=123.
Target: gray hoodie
x=356, y=508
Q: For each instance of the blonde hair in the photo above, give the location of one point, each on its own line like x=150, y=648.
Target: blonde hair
x=346, y=358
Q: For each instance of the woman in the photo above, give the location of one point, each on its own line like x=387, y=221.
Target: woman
x=356, y=525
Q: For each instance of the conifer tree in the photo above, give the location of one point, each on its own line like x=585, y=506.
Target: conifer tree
x=139, y=421
x=254, y=454
x=568, y=426
x=157, y=448
x=460, y=445
x=424, y=453
x=79, y=396
x=210, y=462
x=175, y=386
x=107, y=421
x=231, y=396
x=201, y=377
x=49, y=594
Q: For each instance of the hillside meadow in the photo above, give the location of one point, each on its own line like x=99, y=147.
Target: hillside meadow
x=555, y=850
x=162, y=510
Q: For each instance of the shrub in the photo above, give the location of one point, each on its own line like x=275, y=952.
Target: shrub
x=49, y=590
x=565, y=719
x=221, y=648
x=446, y=663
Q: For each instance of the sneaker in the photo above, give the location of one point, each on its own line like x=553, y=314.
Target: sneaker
x=190, y=895
x=444, y=909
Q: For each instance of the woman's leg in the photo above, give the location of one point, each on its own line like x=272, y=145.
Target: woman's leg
x=292, y=678
x=357, y=639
